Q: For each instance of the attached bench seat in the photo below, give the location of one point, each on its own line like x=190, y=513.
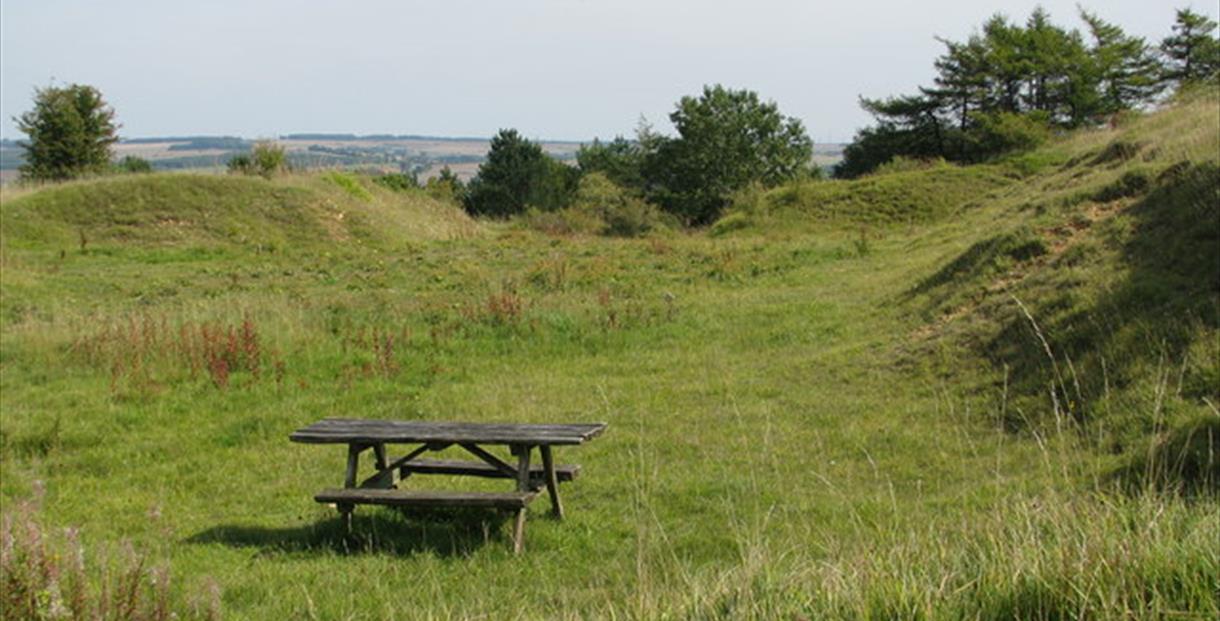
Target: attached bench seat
x=563, y=472
x=347, y=498
x=424, y=498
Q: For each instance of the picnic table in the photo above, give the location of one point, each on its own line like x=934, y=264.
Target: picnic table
x=380, y=488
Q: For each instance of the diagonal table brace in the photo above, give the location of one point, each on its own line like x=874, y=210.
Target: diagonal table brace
x=491, y=460
x=385, y=477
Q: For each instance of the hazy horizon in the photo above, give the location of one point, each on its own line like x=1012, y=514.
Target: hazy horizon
x=555, y=70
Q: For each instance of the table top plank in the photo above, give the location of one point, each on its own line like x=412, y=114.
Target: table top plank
x=355, y=430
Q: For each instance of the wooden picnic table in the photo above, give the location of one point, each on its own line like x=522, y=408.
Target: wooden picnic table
x=380, y=488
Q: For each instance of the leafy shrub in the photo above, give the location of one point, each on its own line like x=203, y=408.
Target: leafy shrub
x=446, y=186
x=621, y=160
x=241, y=164
x=398, y=182
x=624, y=215
x=600, y=207
x=1004, y=132
x=133, y=165
x=266, y=159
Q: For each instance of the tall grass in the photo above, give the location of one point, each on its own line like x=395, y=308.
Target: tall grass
x=1096, y=556
x=47, y=573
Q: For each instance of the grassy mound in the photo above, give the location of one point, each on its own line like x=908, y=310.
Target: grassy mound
x=1098, y=287
x=916, y=195
x=225, y=211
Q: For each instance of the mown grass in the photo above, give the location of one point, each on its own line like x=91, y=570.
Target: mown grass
x=806, y=420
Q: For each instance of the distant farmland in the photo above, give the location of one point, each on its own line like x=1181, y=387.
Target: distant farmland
x=423, y=155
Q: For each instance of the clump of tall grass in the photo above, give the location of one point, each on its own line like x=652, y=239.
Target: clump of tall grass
x=503, y=308
x=1099, y=556
x=142, y=347
x=46, y=574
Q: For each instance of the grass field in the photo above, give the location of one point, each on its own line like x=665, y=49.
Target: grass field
x=984, y=393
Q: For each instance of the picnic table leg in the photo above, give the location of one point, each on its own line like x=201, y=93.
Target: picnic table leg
x=523, y=466
x=379, y=456
x=353, y=464
x=523, y=485
x=349, y=480
x=552, y=483
x=519, y=531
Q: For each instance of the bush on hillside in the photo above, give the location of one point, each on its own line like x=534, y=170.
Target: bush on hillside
x=624, y=215
x=1004, y=132
x=446, y=186
x=266, y=159
x=600, y=207
x=133, y=165
x=620, y=160
x=398, y=182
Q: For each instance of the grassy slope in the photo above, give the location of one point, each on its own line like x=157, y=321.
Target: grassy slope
x=1109, y=239
x=807, y=417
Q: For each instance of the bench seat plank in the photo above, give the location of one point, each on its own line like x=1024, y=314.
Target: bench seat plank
x=564, y=472
x=424, y=498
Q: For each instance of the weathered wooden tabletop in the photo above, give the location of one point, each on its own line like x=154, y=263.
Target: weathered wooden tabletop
x=363, y=431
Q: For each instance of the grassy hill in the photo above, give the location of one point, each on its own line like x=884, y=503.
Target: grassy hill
x=936, y=392
x=216, y=211
x=1103, y=248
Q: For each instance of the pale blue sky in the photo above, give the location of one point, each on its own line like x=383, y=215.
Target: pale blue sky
x=558, y=69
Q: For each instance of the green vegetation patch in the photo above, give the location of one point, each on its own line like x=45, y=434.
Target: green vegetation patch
x=349, y=183
x=919, y=194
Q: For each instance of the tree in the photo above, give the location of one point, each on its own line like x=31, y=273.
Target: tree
x=1191, y=52
x=1005, y=88
x=727, y=139
x=620, y=160
x=1125, y=67
x=70, y=130
x=516, y=175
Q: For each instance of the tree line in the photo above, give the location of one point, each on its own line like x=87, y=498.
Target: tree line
x=1009, y=85
x=1006, y=87
x=726, y=139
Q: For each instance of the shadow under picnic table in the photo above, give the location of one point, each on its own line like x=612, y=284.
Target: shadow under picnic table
x=374, y=531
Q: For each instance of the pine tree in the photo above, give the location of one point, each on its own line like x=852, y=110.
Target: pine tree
x=518, y=175
x=962, y=80
x=1191, y=52
x=1125, y=67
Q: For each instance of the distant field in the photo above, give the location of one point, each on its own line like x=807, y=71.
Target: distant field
x=425, y=155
